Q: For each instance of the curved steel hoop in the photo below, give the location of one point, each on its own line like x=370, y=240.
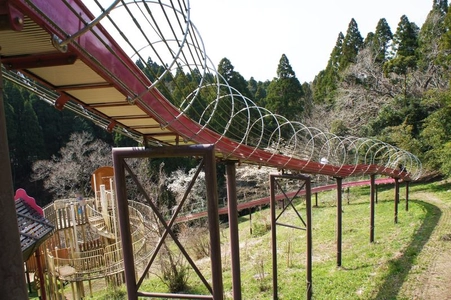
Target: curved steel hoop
x=161, y=37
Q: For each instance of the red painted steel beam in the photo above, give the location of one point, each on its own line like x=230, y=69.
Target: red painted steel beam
x=10, y=17
x=265, y=200
x=39, y=61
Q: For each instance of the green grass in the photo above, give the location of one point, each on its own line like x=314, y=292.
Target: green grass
x=365, y=266
x=368, y=271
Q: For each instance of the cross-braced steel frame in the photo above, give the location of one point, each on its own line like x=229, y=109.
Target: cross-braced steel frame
x=307, y=223
x=208, y=164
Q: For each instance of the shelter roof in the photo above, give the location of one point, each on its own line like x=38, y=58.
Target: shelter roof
x=34, y=228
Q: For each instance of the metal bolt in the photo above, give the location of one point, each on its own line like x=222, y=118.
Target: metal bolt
x=19, y=20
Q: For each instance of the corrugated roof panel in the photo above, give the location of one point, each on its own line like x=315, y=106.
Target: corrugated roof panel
x=32, y=39
x=140, y=122
x=172, y=140
x=158, y=132
x=121, y=111
x=68, y=75
x=97, y=95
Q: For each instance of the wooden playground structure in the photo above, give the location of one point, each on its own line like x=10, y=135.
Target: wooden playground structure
x=86, y=244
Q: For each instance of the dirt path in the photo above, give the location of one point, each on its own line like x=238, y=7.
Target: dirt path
x=432, y=277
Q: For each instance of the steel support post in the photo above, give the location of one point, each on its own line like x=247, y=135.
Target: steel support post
x=407, y=195
x=308, y=211
x=375, y=188
x=12, y=275
x=205, y=151
x=124, y=225
x=213, y=223
x=372, y=201
x=272, y=187
x=396, y=199
x=339, y=219
x=308, y=228
x=233, y=228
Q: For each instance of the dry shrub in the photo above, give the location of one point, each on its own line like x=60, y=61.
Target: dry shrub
x=197, y=239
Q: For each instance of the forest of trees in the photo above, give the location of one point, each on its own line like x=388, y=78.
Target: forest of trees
x=392, y=85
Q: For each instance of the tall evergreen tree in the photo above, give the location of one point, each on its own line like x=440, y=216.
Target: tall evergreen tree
x=335, y=57
x=405, y=43
x=445, y=43
x=155, y=72
x=226, y=119
x=381, y=41
x=352, y=43
x=429, y=51
x=441, y=5
x=307, y=99
x=252, y=86
x=11, y=125
x=325, y=83
x=233, y=78
x=151, y=69
x=184, y=85
x=10, y=112
x=436, y=134
x=31, y=137
x=369, y=40
x=285, y=92
x=405, y=39
x=260, y=94
x=25, y=137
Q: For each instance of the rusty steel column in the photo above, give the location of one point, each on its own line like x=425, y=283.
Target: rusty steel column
x=372, y=200
x=272, y=187
x=308, y=229
x=233, y=229
x=407, y=196
x=308, y=211
x=375, y=188
x=124, y=225
x=213, y=223
x=339, y=219
x=12, y=274
x=396, y=199
x=207, y=152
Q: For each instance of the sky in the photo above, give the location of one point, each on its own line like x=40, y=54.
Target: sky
x=253, y=34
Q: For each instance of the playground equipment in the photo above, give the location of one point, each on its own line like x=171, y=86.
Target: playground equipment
x=86, y=245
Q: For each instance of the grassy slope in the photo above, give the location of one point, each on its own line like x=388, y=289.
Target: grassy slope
x=390, y=268
x=368, y=270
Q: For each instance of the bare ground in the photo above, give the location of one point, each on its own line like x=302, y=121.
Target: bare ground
x=431, y=278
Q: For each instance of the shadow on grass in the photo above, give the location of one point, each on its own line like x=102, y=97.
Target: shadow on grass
x=436, y=186
x=400, y=267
